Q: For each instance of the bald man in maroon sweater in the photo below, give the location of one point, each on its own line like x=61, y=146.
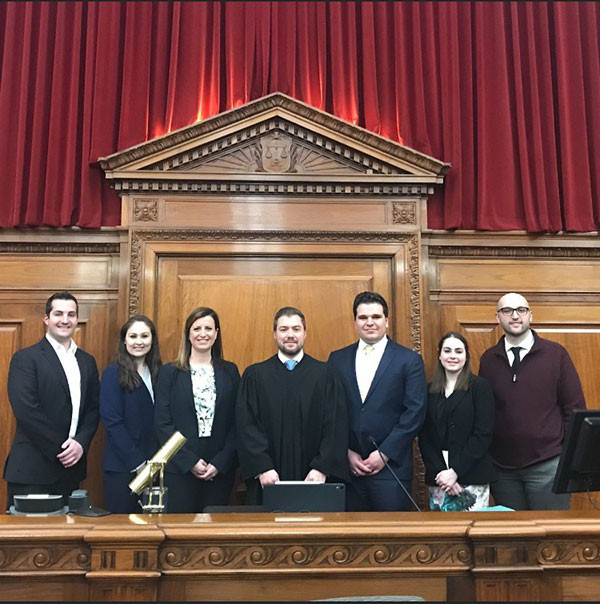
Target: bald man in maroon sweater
x=535, y=386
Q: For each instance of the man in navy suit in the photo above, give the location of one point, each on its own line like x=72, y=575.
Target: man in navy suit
x=53, y=391
x=386, y=394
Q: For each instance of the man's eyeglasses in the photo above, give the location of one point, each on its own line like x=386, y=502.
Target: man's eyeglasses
x=507, y=311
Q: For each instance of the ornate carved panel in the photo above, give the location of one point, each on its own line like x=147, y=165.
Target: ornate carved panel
x=244, y=556
x=569, y=553
x=280, y=148
x=35, y=557
x=274, y=134
x=405, y=212
x=145, y=210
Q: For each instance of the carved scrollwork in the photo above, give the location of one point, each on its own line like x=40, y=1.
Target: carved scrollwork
x=415, y=295
x=29, y=247
x=175, y=557
x=242, y=556
x=569, y=553
x=24, y=558
x=41, y=558
x=441, y=251
x=134, y=273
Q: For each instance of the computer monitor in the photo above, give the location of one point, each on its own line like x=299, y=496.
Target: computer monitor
x=579, y=464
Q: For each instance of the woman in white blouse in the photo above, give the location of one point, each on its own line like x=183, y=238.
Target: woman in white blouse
x=196, y=396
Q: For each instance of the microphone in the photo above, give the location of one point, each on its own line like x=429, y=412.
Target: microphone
x=387, y=465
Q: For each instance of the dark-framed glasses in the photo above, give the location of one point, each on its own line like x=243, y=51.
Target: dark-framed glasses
x=507, y=311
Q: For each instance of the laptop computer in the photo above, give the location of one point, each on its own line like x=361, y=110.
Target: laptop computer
x=300, y=496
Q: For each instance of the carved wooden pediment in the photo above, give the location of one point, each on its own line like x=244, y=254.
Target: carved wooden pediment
x=275, y=140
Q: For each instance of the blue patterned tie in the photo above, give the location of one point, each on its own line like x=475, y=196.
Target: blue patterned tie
x=290, y=364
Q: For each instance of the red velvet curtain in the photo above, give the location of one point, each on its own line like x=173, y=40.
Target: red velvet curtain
x=508, y=92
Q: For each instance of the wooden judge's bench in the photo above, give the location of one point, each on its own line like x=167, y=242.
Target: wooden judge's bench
x=485, y=556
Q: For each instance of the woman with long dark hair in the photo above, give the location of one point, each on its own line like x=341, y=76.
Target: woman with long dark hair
x=196, y=396
x=457, y=433
x=127, y=411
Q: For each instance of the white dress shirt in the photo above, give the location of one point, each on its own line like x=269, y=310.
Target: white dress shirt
x=366, y=364
x=525, y=345
x=283, y=358
x=71, y=368
x=144, y=373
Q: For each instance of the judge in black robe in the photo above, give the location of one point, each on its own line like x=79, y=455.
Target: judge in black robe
x=291, y=421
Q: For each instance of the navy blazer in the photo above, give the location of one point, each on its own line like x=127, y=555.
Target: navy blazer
x=394, y=408
x=175, y=410
x=129, y=421
x=39, y=396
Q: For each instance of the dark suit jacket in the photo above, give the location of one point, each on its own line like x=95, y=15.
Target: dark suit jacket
x=129, y=421
x=394, y=408
x=469, y=428
x=174, y=410
x=40, y=399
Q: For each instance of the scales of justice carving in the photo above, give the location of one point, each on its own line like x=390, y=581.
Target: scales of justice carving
x=272, y=153
x=277, y=153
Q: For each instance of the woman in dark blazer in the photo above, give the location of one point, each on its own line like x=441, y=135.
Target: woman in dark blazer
x=127, y=411
x=196, y=396
x=457, y=433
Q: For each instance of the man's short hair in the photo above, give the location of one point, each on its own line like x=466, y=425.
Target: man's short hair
x=60, y=296
x=288, y=311
x=370, y=298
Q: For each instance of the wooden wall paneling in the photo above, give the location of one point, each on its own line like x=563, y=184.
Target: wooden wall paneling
x=98, y=335
x=246, y=282
x=487, y=276
x=250, y=213
x=121, y=268
x=561, y=283
x=10, y=342
x=581, y=587
x=246, y=303
x=40, y=589
x=277, y=586
x=33, y=265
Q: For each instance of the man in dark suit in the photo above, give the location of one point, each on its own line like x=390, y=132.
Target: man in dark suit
x=386, y=394
x=53, y=391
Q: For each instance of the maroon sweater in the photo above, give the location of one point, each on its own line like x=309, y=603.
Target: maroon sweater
x=533, y=404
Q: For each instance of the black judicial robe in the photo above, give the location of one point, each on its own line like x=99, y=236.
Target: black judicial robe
x=292, y=421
